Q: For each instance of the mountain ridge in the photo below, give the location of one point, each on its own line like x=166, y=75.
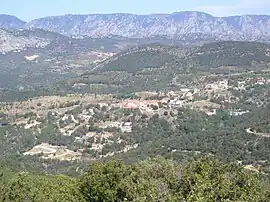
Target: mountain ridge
x=185, y=25
x=11, y=22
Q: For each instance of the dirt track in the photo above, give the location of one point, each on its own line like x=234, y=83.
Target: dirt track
x=249, y=131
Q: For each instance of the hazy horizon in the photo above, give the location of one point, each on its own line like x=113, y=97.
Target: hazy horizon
x=133, y=14
x=29, y=10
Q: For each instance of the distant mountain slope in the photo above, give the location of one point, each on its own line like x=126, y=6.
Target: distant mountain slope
x=136, y=59
x=22, y=39
x=185, y=25
x=210, y=55
x=154, y=67
x=18, y=40
x=229, y=53
x=10, y=22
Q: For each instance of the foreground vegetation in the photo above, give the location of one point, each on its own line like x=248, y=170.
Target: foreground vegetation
x=154, y=179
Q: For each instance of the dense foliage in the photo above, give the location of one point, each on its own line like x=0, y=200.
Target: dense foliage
x=155, y=179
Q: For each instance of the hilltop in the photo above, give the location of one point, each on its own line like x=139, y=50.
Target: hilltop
x=209, y=55
x=229, y=53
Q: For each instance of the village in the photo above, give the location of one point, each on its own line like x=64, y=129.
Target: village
x=75, y=113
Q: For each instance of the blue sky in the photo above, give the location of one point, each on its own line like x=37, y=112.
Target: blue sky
x=30, y=9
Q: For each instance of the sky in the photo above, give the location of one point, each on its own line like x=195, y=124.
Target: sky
x=32, y=9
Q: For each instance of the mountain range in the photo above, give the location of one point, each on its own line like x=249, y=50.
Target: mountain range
x=187, y=25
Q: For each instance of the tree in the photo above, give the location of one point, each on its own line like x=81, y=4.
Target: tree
x=102, y=181
x=151, y=180
x=155, y=179
x=39, y=188
x=211, y=180
x=154, y=107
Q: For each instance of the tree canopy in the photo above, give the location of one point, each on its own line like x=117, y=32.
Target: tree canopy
x=155, y=179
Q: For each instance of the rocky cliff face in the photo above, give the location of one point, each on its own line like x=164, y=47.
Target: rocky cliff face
x=184, y=25
x=10, y=22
